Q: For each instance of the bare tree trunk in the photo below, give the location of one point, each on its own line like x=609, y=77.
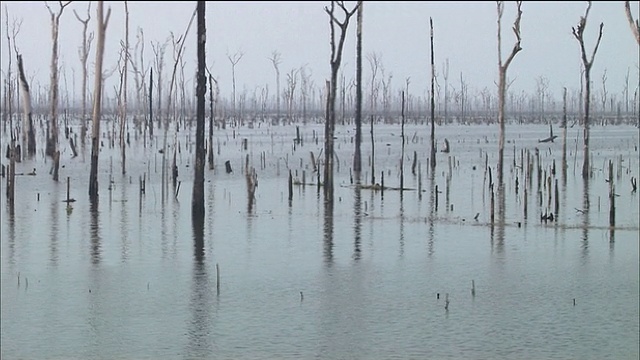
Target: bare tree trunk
x=123, y=116
x=564, y=136
x=26, y=105
x=151, y=104
x=433, y=104
x=211, y=122
x=357, y=158
x=84, y=55
x=197, y=201
x=336, y=59
x=97, y=102
x=402, y=151
x=635, y=25
x=52, y=139
x=235, y=59
x=275, y=59
x=502, y=82
x=578, y=33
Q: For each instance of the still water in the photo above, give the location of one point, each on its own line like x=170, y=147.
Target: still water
x=366, y=277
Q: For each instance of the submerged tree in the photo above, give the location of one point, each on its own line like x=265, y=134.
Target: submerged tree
x=357, y=158
x=578, y=33
x=502, y=81
x=97, y=101
x=52, y=135
x=197, y=200
x=336, y=59
x=84, y=55
x=275, y=60
x=26, y=105
x=433, y=105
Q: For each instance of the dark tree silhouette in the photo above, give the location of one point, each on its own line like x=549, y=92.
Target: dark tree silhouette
x=197, y=201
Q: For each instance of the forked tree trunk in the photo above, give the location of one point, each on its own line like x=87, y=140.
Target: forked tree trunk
x=52, y=136
x=502, y=83
x=84, y=55
x=578, y=33
x=97, y=102
x=336, y=59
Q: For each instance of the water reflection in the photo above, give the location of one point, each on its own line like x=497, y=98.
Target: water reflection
x=124, y=224
x=497, y=242
x=357, y=213
x=200, y=340
x=585, y=219
x=12, y=233
x=432, y=209
x=328, y=231
x=401, y=251
x=94, y=233
x=53, y=225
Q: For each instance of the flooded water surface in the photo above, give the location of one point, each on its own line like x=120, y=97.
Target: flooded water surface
x=418, y=274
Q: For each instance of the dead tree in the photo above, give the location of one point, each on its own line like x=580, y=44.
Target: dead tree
x=26, y=105
x=139, y=74
x=433, y=103
x=275, y=60
x=634, y=24
x=374, y=63
x=336, y=59
x=122, y=96
x=305, y=85
x=97, y=101
x=52, y=135
x=502, y=81
x=84, y=55
x=578, y=33
x=158, y=51
x=564, y=136
x=234, y=60
x=197, y=200
x=463, y=97
x=357, y=157
x=289, y=93
x=445, y=76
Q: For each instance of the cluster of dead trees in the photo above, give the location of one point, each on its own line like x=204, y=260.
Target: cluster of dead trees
x=335, y=102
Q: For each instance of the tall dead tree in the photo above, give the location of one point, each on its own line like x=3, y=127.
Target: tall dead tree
x=158, y=51
x=564, y=136
x=433, y=103
x=635, y=29
x=234, y=60
x=275, y=60
x=578, y=33
x=197, y=200
x=26, y=105
x=634, y=24
x=374, y=63
x=357, y=157
x=336, y=59
x=123, y=90
x=445, y=76
x=84, y=55
x=52, y=134
x=502, y=80
x=97, y=101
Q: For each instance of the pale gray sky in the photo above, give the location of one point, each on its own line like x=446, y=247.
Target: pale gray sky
x=465, y=35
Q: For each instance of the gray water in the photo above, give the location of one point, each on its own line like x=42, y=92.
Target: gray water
x=364, y=278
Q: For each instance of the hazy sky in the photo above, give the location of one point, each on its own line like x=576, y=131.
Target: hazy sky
x=465, y=35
